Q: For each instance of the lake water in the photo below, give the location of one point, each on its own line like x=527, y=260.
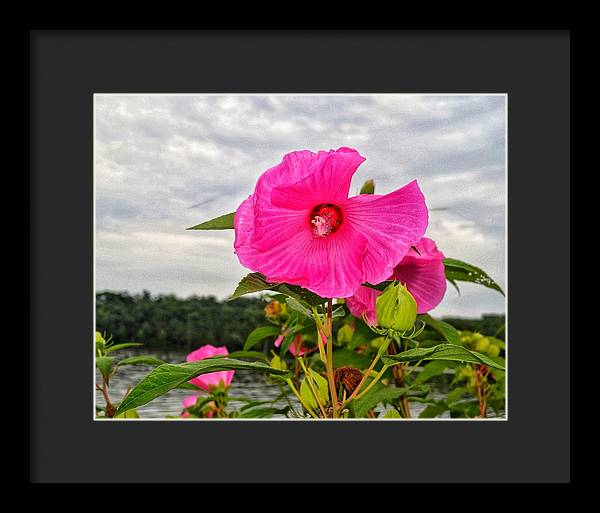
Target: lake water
x=245, y=383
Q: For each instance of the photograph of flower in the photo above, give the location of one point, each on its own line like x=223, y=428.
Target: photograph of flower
x=300, y=257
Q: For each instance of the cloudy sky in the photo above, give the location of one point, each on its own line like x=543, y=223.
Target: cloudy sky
x=163, y=163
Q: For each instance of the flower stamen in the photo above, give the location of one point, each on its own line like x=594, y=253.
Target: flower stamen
x=325, y=219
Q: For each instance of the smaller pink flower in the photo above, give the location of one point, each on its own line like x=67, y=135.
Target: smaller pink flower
x=422, y=272
x=189, y=401
x=293, y=347
x=212, y=379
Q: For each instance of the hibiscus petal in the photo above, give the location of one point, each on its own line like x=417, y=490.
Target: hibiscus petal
x=328, y=182
x=243, y=223
x=424, y=274
x=391, y=223
x=426, y=282
x=345, y=253
x=330, y=267
x=364, y=301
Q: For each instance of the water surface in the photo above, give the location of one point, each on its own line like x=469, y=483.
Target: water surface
x=253, y=385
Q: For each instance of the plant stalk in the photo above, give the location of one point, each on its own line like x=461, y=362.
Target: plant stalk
x=330, y=374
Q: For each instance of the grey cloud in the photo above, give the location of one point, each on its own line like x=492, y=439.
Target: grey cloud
x=164, y=163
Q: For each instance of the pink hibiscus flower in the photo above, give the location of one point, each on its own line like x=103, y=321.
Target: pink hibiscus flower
x=300, y=227
x=212, y=379
x=423, y=274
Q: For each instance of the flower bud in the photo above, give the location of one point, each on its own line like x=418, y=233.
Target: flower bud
x=273, y=309
x=396, y=308
x=482, y=345
x=493, y=350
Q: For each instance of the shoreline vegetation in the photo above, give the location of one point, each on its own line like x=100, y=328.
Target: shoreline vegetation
x=166, y=321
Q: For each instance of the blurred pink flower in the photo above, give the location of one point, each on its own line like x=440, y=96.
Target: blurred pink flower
x=300, y=227
x=423, y=274
x=189, y=401
x=293, y=348
x=212, y=379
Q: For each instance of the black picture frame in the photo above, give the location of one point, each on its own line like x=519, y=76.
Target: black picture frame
x=68, y=67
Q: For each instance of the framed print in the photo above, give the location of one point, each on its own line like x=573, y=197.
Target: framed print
x=371, y=362
x=352, y=253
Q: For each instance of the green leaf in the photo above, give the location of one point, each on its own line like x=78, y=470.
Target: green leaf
x=373, y=397
x=140, y=360
x=432, y=369
x=344, y=334
x=362, y=334
x=258, y=334
x=252, y=355
x=169, y=376
x=433, y=410
x=368, y=187
x=454, y=285
x=298, y=306
x=105, y=366
x=392, y=414
x=456, y=270
x=224, y=222
x=299, y=293
x=189, y=386
x=253, y=282
x=449, y=352
x=123, y=346
x=455, y=395
x=321, y=386
x=250, y=403
x=262, y=413
x=343, y=357
x=256, y=282
x=447, y=331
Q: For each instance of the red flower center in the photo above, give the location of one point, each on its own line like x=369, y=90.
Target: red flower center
x=325, y=219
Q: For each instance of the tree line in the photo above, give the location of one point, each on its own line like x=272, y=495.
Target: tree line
x=168, y=321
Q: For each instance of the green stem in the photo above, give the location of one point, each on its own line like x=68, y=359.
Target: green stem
x=375, y=380
x=412, y=369
x=330, y=375
x=320, y=330
x=302, y=401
